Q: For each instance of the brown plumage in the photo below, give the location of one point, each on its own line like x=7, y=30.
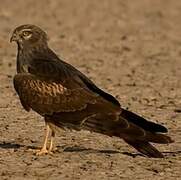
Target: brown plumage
x=67, y=98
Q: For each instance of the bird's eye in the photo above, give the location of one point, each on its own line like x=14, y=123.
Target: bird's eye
x=26, y=33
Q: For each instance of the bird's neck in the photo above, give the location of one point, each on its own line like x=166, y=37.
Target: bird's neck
x=27, y=54
x=31, y=51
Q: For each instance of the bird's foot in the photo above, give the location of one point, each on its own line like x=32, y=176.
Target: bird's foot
x=43, y=151
x=39, y=152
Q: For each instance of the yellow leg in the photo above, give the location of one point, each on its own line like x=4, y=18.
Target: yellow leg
x=44, y=150
x=51, y=141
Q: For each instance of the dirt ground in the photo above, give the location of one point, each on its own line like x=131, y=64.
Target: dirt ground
x=131, y=49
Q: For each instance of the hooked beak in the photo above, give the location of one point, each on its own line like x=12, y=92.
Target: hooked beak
x=14, y=37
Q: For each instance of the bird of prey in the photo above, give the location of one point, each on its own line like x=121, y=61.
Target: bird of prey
x=66, y=98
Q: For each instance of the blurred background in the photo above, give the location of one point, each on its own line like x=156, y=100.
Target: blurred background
x=131, y=49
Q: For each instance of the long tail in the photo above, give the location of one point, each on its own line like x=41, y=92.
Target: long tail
x=153, y=133
x=133, y=129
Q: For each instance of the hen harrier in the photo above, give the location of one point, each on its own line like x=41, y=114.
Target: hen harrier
x=65, y=97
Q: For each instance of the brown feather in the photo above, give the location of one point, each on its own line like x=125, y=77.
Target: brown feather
x=145, y=148
x=46, y=97
x=67, y=98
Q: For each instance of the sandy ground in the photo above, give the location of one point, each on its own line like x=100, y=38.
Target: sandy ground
x=131, y=49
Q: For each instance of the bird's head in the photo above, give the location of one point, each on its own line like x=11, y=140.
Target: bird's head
x=28, y=35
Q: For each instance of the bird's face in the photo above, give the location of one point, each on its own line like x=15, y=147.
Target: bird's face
x=28, y=35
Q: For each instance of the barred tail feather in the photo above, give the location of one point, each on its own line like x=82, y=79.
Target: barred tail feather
x=158, y=138
x=134, y=135
x=145, y=148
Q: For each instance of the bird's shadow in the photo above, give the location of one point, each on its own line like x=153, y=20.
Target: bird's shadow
x=87, y=150
x=106, y=151
x=79, y=149
x=66, y=149
x=10, y=145
x=95, y=151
